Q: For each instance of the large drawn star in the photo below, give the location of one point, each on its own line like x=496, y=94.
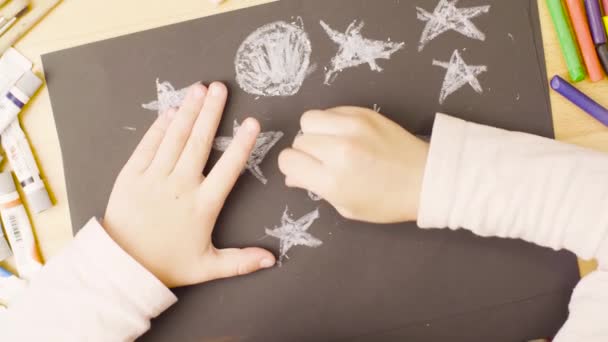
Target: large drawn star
x=168, y=97
x=264, y=143
x=458, y=74
x=355, y=50
x=293, y=233
x=447, y=16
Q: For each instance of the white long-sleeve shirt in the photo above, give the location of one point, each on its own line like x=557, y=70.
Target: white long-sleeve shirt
x=489, y=181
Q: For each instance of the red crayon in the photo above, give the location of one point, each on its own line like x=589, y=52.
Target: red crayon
x=583, y=35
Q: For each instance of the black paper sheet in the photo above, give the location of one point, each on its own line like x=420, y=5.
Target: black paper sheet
x=366, y=282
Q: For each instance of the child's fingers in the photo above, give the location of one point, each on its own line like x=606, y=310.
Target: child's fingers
x=148, y=146
x=234, y=262
x=303, y=171
x=326, y=122
x=322, y=147
x=225, y=173
x=194, y=157
x=179, y=130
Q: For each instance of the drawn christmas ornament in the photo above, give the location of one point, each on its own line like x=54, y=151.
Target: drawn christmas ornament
x=274, y=60
x=293, y=233
x=458, y=75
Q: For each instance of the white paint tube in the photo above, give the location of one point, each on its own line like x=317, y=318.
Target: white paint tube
x=10, y=287
x=12, y=66
x=5, y=249
x=23, y=163
x=17, y=97
x=18, y=228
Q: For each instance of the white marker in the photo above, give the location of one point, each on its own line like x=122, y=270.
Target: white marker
x=13, y=102
x=21, y=159
x=18, y=228
x=5, y=249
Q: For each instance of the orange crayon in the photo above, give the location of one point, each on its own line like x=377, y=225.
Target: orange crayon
x=583, y=35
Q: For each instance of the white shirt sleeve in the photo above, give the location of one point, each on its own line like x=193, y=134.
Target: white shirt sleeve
x=93, y=291
x=514, y=185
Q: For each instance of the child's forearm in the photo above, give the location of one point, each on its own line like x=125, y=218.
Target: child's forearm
x=499, y=183
x=93, y=291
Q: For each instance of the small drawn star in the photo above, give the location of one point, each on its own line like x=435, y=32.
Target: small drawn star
x=458, y=74
x=355, y=50
x=264, y=143
x=447, y=16
x=293, y=233
x=168, y=97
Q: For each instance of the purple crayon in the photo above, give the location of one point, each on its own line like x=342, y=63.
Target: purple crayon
x=594, y=15
x=581, y=100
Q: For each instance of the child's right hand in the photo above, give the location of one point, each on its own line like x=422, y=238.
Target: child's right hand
x=366, y=166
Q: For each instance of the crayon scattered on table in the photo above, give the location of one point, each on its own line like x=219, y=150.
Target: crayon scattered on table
x=583, y=34
x=594, y=15
x=566, y=40
x=606, y=23
x=581, y=100
x=602, y=53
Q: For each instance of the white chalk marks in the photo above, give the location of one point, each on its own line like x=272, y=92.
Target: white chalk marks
x=354, y=50
x=293, y=233
x=274, y=60
x=447, y=16
x=168, y=97
x=459, y=74
x=314, y=196
x=264, y=143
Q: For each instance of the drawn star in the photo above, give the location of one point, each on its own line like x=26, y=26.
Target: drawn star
x=264, y=143
x=168, y=97
x=355, y=50
x=447, y=17
x=293, y=233
x=458, y=74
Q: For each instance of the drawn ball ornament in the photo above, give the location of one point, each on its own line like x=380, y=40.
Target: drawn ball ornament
x=274, y=60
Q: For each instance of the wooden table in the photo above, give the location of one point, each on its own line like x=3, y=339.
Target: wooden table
x=77, y=22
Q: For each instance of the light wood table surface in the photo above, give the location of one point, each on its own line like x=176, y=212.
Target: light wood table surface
x=75, y=22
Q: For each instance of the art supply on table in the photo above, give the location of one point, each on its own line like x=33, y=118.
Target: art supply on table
x=606, y=22
x=5, y=249
x=26, y=23
x=581, y=100
x=596, y=24
x=12, y=66
x=18, y=228
x=2, y=2
x=15, y=99
x=11, y=12
x=585, y=41
x=10, y=287
x=22, y=161
x=566, y=40
x=602, y=53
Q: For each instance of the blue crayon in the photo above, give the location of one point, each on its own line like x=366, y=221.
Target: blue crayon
x=4, y=273
x=581, y=100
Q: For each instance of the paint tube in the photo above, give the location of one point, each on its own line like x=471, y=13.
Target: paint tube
x=18, y=228
x=17, y=97
x=12, y=66
x=10, y=287
x=21, y=159
x=5, y=249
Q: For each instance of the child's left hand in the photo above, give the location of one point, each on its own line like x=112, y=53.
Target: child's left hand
x=162, y=210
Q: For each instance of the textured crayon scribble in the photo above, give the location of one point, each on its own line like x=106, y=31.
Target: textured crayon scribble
x=293, y=233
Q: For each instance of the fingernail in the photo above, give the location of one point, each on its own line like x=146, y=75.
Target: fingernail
x=250, y=126
x=266, y=263
x=216, y=89
x=198, y=90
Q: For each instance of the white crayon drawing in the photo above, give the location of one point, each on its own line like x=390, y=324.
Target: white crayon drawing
x=354, y=50
x=314, y=196
x=274, y=60
x=447, y=16
x=459, y=74
x=129, y=128
x=377, y=108
x=264, y=143
x=168, y=97
x=293, y=233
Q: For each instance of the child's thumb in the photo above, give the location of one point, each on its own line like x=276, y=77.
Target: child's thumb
x=234, y=262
